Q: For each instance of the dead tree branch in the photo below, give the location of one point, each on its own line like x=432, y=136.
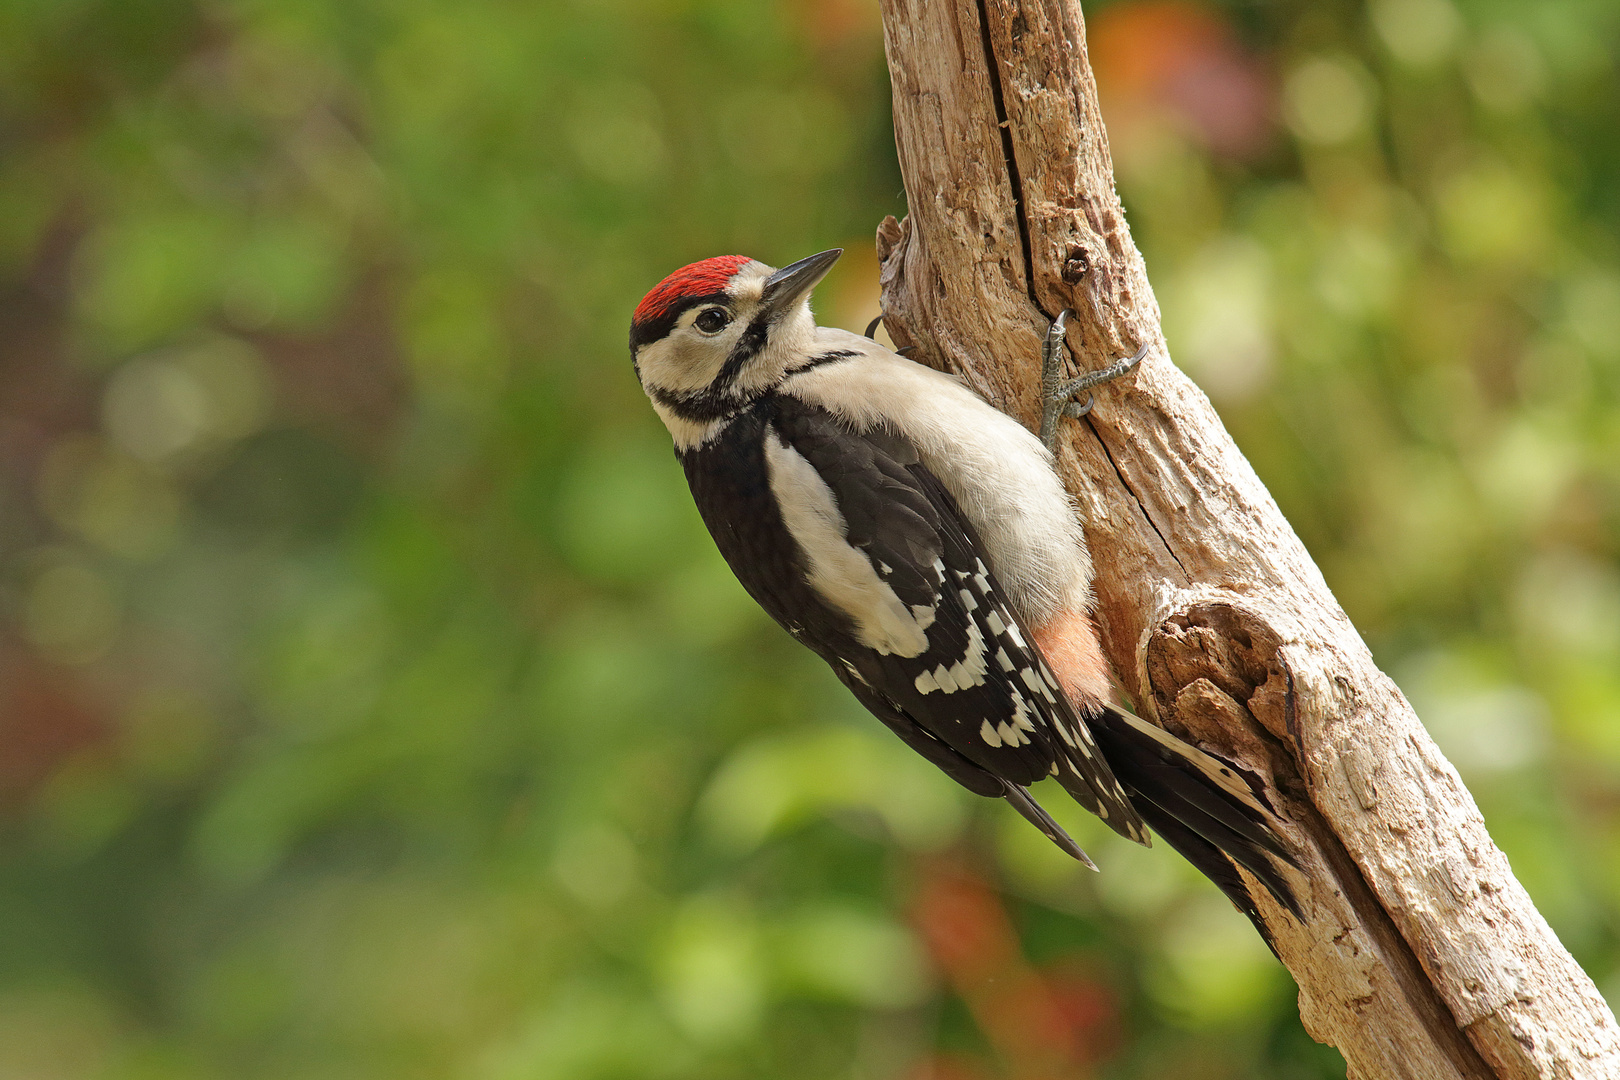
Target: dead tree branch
x=1421, y=955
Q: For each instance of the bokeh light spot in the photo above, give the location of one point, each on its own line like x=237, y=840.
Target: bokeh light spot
x=1328, y=100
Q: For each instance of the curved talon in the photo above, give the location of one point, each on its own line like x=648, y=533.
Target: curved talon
x=1107, y=374
x=1057, y=393
x=907, y=351
x=871, y=327
x=1055, y=332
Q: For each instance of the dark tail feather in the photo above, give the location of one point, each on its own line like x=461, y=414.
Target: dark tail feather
x=1037, y=816
x=1198, y=804
x=1209, y=861
x=1200, y=809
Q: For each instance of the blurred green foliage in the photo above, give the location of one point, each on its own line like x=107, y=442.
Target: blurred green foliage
x=372, y=702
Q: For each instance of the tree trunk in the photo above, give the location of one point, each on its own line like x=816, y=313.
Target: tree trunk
x=1420, y=956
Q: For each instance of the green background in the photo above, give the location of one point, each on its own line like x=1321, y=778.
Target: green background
x=372, y=702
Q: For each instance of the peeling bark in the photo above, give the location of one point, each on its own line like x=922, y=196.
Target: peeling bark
x=1421, y=956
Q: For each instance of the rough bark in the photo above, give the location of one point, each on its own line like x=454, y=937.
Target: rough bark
x=1421, y=956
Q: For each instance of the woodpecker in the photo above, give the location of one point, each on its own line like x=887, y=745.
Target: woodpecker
x=919, y=541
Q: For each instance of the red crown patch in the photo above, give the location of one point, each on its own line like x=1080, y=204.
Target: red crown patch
x=697, y=279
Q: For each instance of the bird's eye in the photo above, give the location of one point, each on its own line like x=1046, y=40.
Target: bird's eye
x=712, y=320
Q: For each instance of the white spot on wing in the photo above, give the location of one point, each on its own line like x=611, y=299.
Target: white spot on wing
x=988, y=734
x=982, y=578
x=1004, y=660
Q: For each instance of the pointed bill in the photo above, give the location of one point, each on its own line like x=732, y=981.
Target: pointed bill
x=793, y=282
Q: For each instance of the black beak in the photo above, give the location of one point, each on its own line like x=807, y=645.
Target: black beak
x=792, y=283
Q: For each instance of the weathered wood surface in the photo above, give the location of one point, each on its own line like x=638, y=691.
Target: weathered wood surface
x=1421, y=955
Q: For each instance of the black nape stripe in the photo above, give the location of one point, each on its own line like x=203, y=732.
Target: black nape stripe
x=716, y=402
x=824, y=358
x=698, y=407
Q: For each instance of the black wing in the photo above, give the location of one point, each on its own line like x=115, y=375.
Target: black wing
x=980, y=688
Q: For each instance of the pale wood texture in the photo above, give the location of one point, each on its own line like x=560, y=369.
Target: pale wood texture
x=1421, y=955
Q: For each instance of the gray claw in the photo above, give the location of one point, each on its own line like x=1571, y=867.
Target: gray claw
x=1107, y=374
x=1056, y=394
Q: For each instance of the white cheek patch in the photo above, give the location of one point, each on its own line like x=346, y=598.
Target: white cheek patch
x=841, y=574
x=681, y=364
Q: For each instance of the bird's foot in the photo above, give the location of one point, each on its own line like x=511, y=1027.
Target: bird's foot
x=1057, y=394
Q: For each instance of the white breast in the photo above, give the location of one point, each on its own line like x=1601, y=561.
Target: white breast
x=998, y=471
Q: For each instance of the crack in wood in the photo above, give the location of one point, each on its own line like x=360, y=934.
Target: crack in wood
x=1020, y=208
x=1009, y=157
x=1164, y=541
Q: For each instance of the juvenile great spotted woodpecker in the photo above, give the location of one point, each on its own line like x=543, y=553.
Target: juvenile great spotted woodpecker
x=919, y=541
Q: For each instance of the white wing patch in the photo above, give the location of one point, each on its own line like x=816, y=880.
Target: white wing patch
x=1017, y=731
x=998, y=472
x=966, y=672
x=843, y=575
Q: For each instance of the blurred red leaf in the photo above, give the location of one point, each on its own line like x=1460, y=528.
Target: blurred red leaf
x=1047, y=1028
x=43, y=719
